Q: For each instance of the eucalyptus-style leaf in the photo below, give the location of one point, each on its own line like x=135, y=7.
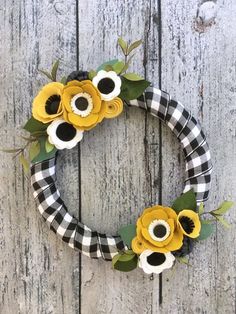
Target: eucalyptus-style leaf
x=132, y=89
x=54, y=71
x=206, y=230
x=185, y=201
x=127, y=234
x=48, y=146
x=110, y=62
x=24, y=163
x=63, y=80
x=108, y=68
x=223, y=208
x=222, y=221
x=34, y=150
x=134, y=45
x=91, y=74
x=183, y=260
x=10, y=151
x=47, y=74
x=201, y=208
x=123, y=45
x=133, y=77
x=127, y=64
x=34, y=126
x=118, y=67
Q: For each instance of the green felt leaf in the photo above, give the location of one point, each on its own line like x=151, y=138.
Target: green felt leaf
x=206, y=230
x=125, y=262
x=54, y=71
x=24, y=163
x=34, y=126
x=48, y=146
x=34, y=150
x=63, y=80
x=222, y=221
x=201, y=208
x=127, y=234
x=223, y=208
x=132, y=89
x=118, y=67
x=123, y=45
x=133, y=77
x=91, y=74
x=43, y=154
x=134, y=45
x=111, y=62
x=185, y=201
x=47, y=74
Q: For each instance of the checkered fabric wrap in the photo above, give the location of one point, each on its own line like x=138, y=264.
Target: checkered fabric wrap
x=94, y=244
x=187, y=130
x=77, y=235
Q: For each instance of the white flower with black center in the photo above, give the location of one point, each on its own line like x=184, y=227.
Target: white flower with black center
x=155, y=262
x=159, y=230
x=82, y=104
x=108, y=84
x=63, y=134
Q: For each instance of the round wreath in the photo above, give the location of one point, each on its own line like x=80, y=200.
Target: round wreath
x=63, y=110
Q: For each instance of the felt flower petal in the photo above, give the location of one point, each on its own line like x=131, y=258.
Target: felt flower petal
x=108, y=84
x=113, y=107
x=155, y=262
x=63, y=135
x=189, y=223
x=47, y=104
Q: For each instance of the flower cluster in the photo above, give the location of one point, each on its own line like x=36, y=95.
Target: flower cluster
x=160, y=231
x=77, y=106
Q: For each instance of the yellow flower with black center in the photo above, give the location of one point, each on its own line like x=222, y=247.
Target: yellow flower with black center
x=189, y=223
x=47, y=104
x=82, y=104
x=157, y=230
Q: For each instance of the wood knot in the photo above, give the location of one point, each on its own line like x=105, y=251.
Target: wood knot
x=206, y=15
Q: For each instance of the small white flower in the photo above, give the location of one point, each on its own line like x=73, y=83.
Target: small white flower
x=63, y=135
x=82, y=104
x=154, y=262
x=159, y=230
x=108, y=84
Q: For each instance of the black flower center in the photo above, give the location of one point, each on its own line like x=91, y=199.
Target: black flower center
x=106, y=85
x=187, y=224
x=81, y=103
x=65, y=132
x=52, y=104
x=159, y=231
x=156, y=259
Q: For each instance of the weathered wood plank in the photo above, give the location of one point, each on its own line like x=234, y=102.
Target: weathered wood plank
x=39, y=274
x=116, y=157
x=198, y=66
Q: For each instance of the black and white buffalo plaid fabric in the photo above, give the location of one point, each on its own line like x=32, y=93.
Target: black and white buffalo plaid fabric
x=94, y=244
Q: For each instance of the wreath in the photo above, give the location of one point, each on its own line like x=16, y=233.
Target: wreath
x=63, y=110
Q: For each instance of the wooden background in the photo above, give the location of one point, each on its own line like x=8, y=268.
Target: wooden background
x=122, y=165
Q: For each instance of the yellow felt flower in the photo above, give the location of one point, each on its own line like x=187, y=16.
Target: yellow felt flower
x=189, y=222
x=82, y=104
x=112, y=108
x=157, y=230
x=47, y=104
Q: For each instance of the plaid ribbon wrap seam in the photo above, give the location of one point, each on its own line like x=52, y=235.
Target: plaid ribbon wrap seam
x=94, y=244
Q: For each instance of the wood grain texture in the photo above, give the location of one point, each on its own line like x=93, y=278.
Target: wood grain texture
x=125, y=164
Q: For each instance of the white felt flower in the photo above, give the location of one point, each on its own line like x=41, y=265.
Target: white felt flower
x=108, y=84
x=63, y=134
x=155, y=262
